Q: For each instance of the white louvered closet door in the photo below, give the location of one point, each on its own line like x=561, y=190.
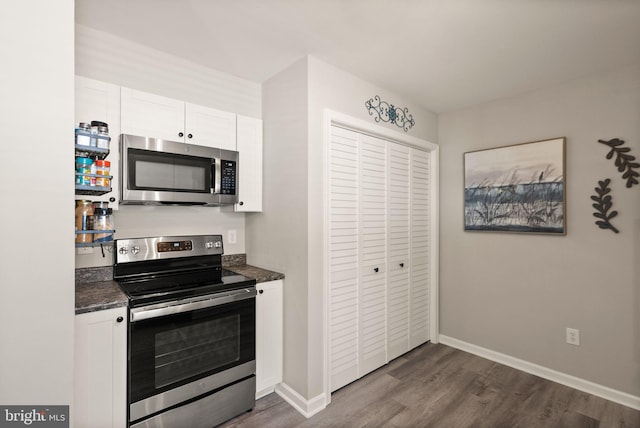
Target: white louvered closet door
x=378, y=253
x=420, y=242
x=373, y=252
x=398, y=247
x=343, y=257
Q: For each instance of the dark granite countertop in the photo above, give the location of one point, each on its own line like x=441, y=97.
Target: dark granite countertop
x=98, y=296
x=96, y=290
x=260, y=275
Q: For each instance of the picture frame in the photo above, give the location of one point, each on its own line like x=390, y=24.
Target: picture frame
x=517, y=188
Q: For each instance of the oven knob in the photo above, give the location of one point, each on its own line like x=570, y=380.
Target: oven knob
x=123, y=250
x=135, y=249
x=217, y=244
x=208, y=245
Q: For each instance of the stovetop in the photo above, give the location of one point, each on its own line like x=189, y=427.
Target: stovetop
x=144, y=291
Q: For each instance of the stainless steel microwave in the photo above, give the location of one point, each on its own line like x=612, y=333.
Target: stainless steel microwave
x=155, y=171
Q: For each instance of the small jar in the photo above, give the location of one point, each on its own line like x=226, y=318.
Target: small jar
x=83, y=168
x=84, y=221
x=95, y=130
x=106, y=171
x=100, y=173
x=103, y=139
x=103, y=220
x=83, y=134
x=94, y=171
x=100, y=205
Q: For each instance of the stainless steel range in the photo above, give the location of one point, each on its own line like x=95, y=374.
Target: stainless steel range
x=191, y=332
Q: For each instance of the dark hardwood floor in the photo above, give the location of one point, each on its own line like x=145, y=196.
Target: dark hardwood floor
x=438, y=386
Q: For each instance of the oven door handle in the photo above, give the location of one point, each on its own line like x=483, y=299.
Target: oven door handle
x=160, y=310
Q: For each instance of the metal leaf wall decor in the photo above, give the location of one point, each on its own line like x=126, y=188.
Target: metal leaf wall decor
x=624, y=161
x=603, y=204
x=386, y=112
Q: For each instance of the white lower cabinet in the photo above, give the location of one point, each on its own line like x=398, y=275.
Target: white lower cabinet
x=269, y=323
x=101, y=369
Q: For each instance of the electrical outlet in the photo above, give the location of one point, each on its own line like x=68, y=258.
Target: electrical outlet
x=573, y=336
x=84, y=250
x=232, y=236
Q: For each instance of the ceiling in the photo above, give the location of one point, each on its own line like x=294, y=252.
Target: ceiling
x=442, y=54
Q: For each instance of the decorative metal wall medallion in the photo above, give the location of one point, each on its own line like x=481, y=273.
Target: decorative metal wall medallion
x=603, y=205
x=386, y=112
x=624, y=161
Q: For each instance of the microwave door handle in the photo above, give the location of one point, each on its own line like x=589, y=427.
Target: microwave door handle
x=217, y=176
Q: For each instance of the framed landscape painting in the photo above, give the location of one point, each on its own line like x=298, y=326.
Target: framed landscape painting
x=518, y=188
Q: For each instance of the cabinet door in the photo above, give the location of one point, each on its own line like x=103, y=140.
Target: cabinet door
x=420, y=242
x=399, y=239
x=209, y=127
x=95, y=100
x=249, y=145
x=101, y=369
x=150, y=115
x=372, y=248
x=269, y=336
x=342, y=275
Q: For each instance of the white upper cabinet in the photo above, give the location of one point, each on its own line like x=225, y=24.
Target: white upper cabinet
x=249, y=145
x=205, y=126
x=95, y=100
x=151, y=115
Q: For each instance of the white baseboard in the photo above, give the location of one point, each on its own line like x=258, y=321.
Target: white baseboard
x=546, y=373
x=307, y=408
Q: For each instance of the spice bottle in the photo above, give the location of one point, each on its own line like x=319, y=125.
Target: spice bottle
x=84, y=221
x=83, y=167
x=103, y=138
x=103, y=220
x=83, y=134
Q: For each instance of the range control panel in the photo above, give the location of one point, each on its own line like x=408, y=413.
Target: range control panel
x=163, y=247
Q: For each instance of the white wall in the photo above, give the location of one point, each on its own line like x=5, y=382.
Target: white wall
x=36, y=172
x=278, y=236
x=516, y=294
x=109, y=58
x=294, y=102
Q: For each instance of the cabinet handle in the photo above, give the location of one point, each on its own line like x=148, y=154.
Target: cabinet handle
x=112, y=199
x=180, y=134
x=189, y=135
x=376, y=269
x=240, y=203
x=401, y=264
x=119, y=319
x=260, y=291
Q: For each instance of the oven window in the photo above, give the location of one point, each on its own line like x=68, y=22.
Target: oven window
x=192, y=350
x=178, y=349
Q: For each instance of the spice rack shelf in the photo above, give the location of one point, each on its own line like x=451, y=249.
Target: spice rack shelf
x=93, y=190
x=96, y=243
x=92, y=151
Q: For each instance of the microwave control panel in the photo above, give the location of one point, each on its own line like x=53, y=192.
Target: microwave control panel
x=228, y=177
